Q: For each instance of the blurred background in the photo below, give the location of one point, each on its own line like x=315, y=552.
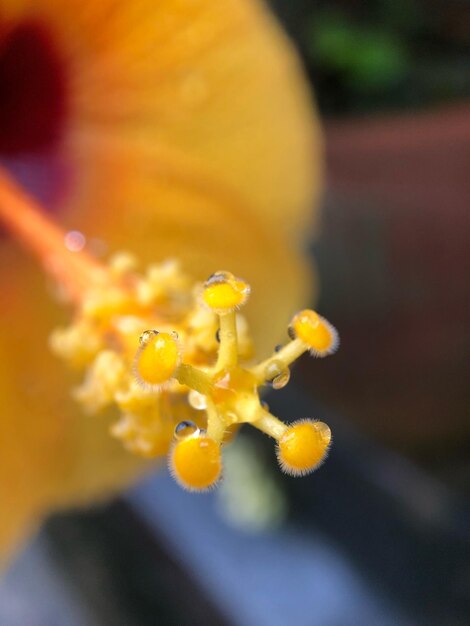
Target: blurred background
x=381, y=534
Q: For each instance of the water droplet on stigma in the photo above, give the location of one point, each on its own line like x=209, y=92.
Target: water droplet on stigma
x=277, y=374
x=185, y=429
x=146, y=336
x=281, y=381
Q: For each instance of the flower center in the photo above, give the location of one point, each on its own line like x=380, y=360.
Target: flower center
x=32, y=88
x=169, y=354
x=33, y=107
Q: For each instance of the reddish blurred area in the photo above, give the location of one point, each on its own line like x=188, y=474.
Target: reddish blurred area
x=33, y=89
x=393, y=259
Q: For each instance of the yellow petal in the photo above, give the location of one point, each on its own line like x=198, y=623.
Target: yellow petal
x=50, y=453
x=207, y=87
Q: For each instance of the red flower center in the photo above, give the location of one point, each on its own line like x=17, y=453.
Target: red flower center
x=32, y=89
x=33, y=108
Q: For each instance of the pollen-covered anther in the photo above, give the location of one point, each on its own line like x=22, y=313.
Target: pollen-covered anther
x=123, y=263
x=196, y=462
x=146, y=437
x=157, y=359
x=303, y=447
x=103, y=380
x=316, y=332
x=224, y=293
x=78, y=344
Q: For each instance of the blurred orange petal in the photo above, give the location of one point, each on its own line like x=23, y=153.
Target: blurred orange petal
x=188, y=132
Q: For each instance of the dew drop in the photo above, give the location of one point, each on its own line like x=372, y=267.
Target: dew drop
x=281, y=381
x=277, y=373
x=278, y=347
x=146, y=336
x=324, y=431
x=219, y=277
x=185, y=429
x=74, y=241
x=197, y=400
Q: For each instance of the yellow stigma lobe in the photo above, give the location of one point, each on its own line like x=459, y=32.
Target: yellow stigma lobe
x=196, y=462
x=303, y=447
x=157, y=358
x=312, y=329
x=224, y=293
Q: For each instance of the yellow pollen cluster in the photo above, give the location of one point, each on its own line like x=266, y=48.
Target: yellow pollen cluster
x=174, y=357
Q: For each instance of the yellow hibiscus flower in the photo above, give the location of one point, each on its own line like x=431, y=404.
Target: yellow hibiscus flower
x=182, y=129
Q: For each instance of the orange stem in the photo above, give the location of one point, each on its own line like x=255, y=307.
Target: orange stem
x=27, y=222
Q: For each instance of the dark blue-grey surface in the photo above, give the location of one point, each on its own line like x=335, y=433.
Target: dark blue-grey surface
x=273, y=578
x=34, y=593
x=269, y=579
